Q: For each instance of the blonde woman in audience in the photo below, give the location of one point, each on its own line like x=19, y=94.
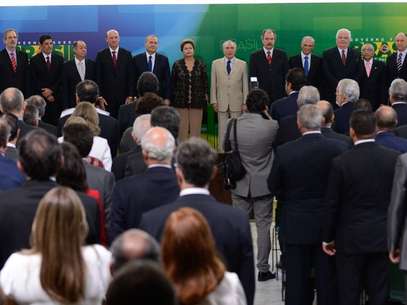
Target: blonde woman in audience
x=192, y=264
x=58, y=269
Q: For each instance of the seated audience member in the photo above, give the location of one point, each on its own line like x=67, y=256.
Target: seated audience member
x=196, y=162
x=142, y=283
x=72, y=174
x=189, y=259
x=131, y=162
x=78, y=133
x=362, y=104
x=11, y=150
x=168, y=118
x=398, y=99
x=39, y=102
x=133, y=245
x=386, y=121
x=31, y=116
x=138, y=194
x=347, y=92
x=58, y=268
x=40, y=158
x=10, y=176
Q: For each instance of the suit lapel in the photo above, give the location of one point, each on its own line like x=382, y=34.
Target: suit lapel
x=156, y=64
x=145, y=62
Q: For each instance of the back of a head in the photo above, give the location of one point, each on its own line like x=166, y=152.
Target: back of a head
x=307, y=95
x=88, y=112
x=87, y=91
x=386, y=118
x=140, y=282
x=147, y=82
x=133, y=245
x=77, y=132
x=148, y=102
x=158, y=144
x=14, y=126
x=196, y=160
x=166, y=117
x=363, y=124
x=12, y=100
x=40, y=154
x=4, y=132
x=309, y=117
x=296, y=78
x=140, y=126
x=362, y=104
x=257, y=101
x=327, y=112
x=398, y=90
x=348, y=88
x=39, y=102
x=31, y=115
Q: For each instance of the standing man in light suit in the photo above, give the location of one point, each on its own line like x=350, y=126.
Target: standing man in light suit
x=229, y=87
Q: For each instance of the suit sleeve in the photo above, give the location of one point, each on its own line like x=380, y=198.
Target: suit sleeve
x=166, y=79
x=245, y=83
x=213, y=84
x=117, y=220
x=326, y=70
x=130, y=75
x=253, y=68
x=99, y=73
x=65, y=87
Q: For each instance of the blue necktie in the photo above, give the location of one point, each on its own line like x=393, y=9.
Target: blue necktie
x=150, y=63
x=228, y=67
x=306, y=65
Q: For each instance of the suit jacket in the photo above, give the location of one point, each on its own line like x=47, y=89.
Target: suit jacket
x=299, y=182
x=358, y=206
x=271, y=78
x=392, y=71
x=129, y=163
x=334, y=70
x=287, y=130
x=372, y=87
x=161, y=70
x=41, y=77
x=255, y=137
x=285, y=106
x=17, y=212
x=390, y=140
x=229, y=91
x=10, y=176
x=127, y=115
x=71, y=78
x=396, y=225
x=315, y=68
x=19, y=79
x=329, y=133
x=12, y=153
x=401, y=109
x=230, y=229
x=138, y=194
x=342, y=116
x=115, y=84
x=48, y=127
x=401, y=131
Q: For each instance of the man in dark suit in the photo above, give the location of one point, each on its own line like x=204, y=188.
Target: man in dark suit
x=114, y=73
x=138, y=194
x=372, y=77
x=398, y=99
x=347, y=93
x=338, y=63
x=396, y=63
x=39, y=102
x=13, y=64
x=358, y=198
x=298, y=179
x=196, y=162
x=287, y=106
x=46, y=74
x=269, y=65
x=75, y=71
x=151, y=61
x=40, y=156
x=310, y=63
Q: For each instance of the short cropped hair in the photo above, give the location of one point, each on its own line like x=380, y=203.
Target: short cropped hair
x=343, y=30
x=156, y=149
x=363, y=123
x=44, y=37
x=140, y=126
x=257, y=100
x=39, y=102
x=79, y=134
x=148, y=82
x=31, y=115
x=87, y=91
x=307, y=95
x=6, y=31
x=296, y=78
x=267, y=31
x=166, y=117
x=310, y=117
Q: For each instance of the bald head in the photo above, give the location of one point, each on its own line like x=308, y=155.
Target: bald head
x=327, y=113
x=12, y=101
x=158, y=146
x=386, y=118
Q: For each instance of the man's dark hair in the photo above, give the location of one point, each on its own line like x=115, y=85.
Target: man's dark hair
x=40, y=154
x=39, y=102
x=257, y=101
x=142, y=281
x=148, y=102
x=362, y=104
x=166, y=117
x=147, y=82
x=12, y=121
x=80, y=136
x=196, y=159
x=363, y=123
x=87, y=91
x=31, y=115
x=296, y=78
x=44, y=37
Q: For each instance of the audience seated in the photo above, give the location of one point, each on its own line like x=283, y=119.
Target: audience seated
x=39, y=102
x=386, y=121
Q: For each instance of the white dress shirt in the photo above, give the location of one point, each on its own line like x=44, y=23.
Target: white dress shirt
x=81, y=67
x=152, y=60
x=271, y=51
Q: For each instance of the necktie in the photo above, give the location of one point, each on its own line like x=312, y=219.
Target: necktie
x=150, y=63
x=82, y=69
x=343, y=57
x=13, y=62
x=114, y=59
x=306, y=65
x=228, y=67
x=48, y=62
x=269, y=57
x=368, y=67
x=399, y=61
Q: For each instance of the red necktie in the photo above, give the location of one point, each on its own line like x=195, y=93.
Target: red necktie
x=114, y=59
x=13, y=62
x=48, y=62
x=269, y=57
x=343, y=57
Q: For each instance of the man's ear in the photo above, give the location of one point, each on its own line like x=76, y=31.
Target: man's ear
x=214, y=173
x=180, y=176
x=20, y=166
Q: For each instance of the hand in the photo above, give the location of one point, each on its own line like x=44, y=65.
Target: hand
x=46, y=92
x=129, y=100
x=244, y=108
x=101, y=103
x=51, y=98
x=394, y=256
x=329, y=248
x=215, y=107
x=166, y=102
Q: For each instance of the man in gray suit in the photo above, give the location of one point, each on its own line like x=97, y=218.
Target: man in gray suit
x=256, y=132
x=229, y=87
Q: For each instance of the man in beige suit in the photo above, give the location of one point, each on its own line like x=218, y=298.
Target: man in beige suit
x=229, y=87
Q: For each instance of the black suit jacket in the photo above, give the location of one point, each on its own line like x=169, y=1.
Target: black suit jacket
x=41, y=77
x=138, y=194
x=334, y=70
x=373, y=87
x=115, y=84
x=284, y=107
x=401, y=109
x=391, y=67
x=329, y=133
x=358, y=206
x=230, y=228
x=17, y=212
x=127, y=115
x=271, y=78
x=287, y=130
x=314, y=73
x=71, y=78
x=19, y=79
x=161, y=70
x=129, y=163
x=342, y=116
x=48, y=127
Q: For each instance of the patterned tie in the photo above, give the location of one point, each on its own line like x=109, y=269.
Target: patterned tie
x=228, y=67
x=399, y=61
x=13, y=62
x=306, y=65
x=48, y=62
x=269, y=57
x=114, y=59
x=368, y=67
x=150, y=63
x=343, y=57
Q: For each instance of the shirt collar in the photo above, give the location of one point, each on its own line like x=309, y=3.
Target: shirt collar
x=152, y=55
x=232, y=59
x=312, y=132
x=271, y=51
x=69, y=111
x=111, y=50
x=404, y=52
x=397, y=103
x=194, y=191
x=368, y=61
x=11, y=145
x=303, y=55
x=10, y=51
x=45, y=55
x=160, y=165
x=364, y=141
x=77, y=61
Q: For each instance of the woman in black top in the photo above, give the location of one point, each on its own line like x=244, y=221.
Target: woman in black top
x=190, y=90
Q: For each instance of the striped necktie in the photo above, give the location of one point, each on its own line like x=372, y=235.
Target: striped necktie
x=399, y=61
x=13, y=61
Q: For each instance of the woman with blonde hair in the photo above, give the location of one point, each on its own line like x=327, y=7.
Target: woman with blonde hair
x=58, y=269
x=192, y=264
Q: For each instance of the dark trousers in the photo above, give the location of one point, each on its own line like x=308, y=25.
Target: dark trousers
x=300, y=261
x=356, y=271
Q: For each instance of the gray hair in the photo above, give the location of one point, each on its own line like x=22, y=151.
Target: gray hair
x=8, y=31
x=267, y=31
x=364, y=46
x=112, y=31
x=307, y=95
x=309, y=117
x=307, y=37
x=39, y=102
x=401, y=34
x=151, y=36
x=12, y=100
x=140, y=127
x=158, y=143
x=398, y=89
x=349, y=88
x=75, y=43
x=228, y=42
x=5, y=131
x=344, y=30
